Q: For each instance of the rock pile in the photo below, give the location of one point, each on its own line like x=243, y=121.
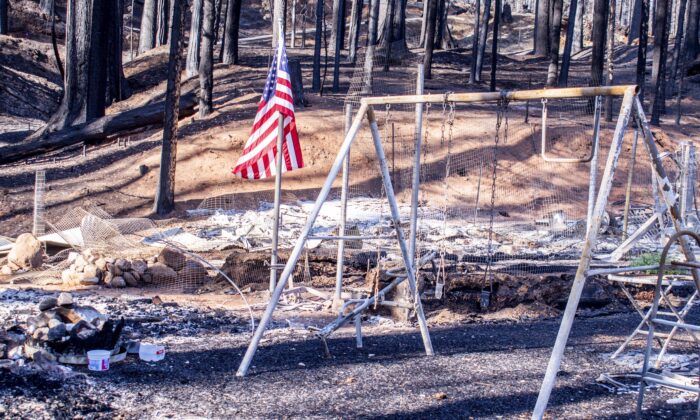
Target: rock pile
x=60, y=327
x=26, y=253
x=169, y=268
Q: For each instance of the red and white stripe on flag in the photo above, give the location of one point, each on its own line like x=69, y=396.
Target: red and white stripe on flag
x=260, y=152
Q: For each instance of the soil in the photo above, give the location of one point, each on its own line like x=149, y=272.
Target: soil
x=483, y=369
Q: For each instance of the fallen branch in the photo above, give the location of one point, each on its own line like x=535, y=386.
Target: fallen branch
x=96, y=130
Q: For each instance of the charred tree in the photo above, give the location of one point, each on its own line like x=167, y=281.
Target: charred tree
x=430, y=38
x=316, y=76
x=566, y=56
x=634, y=26
x=54, y=42
x=373, y=29
x=577, y=33
x=233, y=19
x=475, y=42
x=642, y=47
x=355, y=22
x=93, y=65
x=163, y=19
x=555, y=38
x=658, y=67
x=223, y=31
x=147, y=36
x=338, y=24
x=45, y=6
x=610, y=59
x=600, y=20
x=541, y=28
x=401, y=30
x=677, y=42
x=206, y=60
x=494, y=42
x=482, y=39
x=164, y=201
x=192, y=65
x=692, y=46
x=4, y=20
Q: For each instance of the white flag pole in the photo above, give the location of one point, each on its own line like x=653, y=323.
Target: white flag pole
x=278, y=178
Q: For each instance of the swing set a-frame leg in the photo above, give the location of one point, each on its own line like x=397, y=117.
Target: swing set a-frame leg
x=586, y=254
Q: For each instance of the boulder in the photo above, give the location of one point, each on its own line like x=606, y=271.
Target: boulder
x=118, y=282
x=130, y=279
x=91, y=270
x=193, y=274
x=57, y=332
x=161, y=273
x=64, y=299
x=101, y=263
x=26, y=252
x=6, y=270
x=48, y=303
x=89, y=281
x=173, y=258
x=139, y=266
x=122, y=264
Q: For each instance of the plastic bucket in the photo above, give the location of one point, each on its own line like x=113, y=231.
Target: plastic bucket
x=98, y=360
x=151, y=352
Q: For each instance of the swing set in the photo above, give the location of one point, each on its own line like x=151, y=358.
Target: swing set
x=352, y=309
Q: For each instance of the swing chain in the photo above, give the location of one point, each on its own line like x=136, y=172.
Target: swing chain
x=501, y=117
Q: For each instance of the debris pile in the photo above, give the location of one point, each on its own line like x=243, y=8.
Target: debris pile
x=61, y=331
x=26, y=254
x=170, y=267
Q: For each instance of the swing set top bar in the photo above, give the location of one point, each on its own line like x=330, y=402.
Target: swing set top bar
x=511, y=95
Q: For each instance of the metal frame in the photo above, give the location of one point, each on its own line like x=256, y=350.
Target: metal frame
x=594, y=146
x=366, y=109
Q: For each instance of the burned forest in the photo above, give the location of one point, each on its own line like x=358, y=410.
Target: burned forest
x=349, y=209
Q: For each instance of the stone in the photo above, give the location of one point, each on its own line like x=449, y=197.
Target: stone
x=54, y=322
x=172, y=258
x=91, y=255
x=107, y=277
x=89, y=281
x=57, y=333
x=13, y=266
x=6, y=270
x=48, y=303
x=27, y=252
x=101, y=263
x=118, y=282
x=91, y=270
x=80, y=262
x=123, y=264
x=116, y=271
x=147, y=278
x=41, y=334
x=193, y=274
x=130, y=279
x=64, y=299
x=143, y=170
x=67, y=277
x=161, y=273
x=139, y=266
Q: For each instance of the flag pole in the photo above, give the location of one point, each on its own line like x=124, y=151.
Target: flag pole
x=278, y=190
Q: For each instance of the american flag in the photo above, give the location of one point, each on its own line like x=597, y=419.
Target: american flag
x=260, y=152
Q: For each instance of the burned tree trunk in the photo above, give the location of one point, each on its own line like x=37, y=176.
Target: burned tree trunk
x=577, y=33
x=642, y=48
x=494, y=42
x=677, y=55
x=692, y=46
x=430, y=38
x=45, y=6
x=541, y=28
x=165, y=192
x=54, y=42
x=555, y=38
x=659, y=60
x=147, y=37
x=4, y=20
x=192, y=65
x=355, y=22
x=233, y=18
x=163, y=18
x=223, y=31
x=483, y=35
x=634, y=21
x=600, y=20
x=316, y=76
x=338, y=24
x=566, y=57
x=206, y=60
x=475, y=43
x=611, y=57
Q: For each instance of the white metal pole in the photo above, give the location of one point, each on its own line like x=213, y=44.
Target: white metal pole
x=301, y=242
x=593, y=180
x=586, y=253
x=343, y=216
x=408, y=260
x=278, y=193
x=415, y=184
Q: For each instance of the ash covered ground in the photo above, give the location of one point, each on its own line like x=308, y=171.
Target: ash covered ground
x=483, y=369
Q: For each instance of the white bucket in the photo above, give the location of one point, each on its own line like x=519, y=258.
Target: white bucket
x=151, y=352
x=98, y=360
